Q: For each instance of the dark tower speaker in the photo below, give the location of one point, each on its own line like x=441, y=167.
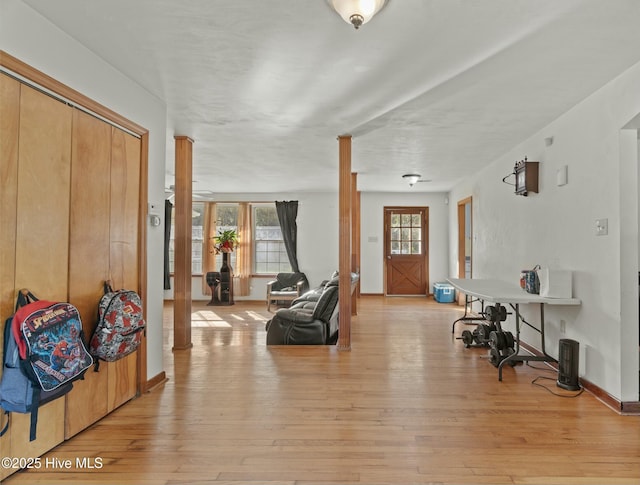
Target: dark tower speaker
x=568, y=357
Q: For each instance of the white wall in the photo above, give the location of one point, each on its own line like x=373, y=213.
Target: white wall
x=628, y=257
x=372, y=206
x=31, y=38
x=556, y=228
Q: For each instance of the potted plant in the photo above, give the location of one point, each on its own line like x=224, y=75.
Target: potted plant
x=225, y=241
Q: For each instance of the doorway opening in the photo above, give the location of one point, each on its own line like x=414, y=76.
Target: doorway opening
x=465, y=240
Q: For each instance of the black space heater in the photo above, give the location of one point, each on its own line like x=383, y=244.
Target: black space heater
x=568, y=357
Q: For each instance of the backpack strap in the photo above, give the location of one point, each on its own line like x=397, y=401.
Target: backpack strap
x=24, y=298
x=6, y=426
x=35, y=404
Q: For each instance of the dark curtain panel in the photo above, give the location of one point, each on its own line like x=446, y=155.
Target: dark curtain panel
x=287, y=213
x=168, y=207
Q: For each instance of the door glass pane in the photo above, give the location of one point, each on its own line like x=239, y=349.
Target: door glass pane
x=405, y=233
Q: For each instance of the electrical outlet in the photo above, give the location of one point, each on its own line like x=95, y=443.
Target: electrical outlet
x=563, y=327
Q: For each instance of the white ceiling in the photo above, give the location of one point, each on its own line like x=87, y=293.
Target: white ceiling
x=437, y=87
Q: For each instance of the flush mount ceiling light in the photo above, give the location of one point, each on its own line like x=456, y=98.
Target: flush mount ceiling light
x=412, y=178
x=357, y=12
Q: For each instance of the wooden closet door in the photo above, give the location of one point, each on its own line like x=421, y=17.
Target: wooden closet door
x=88, y=255
x=42, y=234
x=43, y=196
x=10, y=109
x=125, y=190
x=125, y=194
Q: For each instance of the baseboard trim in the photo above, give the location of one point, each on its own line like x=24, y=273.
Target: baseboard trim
x=371, y=294
x=631, y=407
x=155, y=382
x=207, y=300
x=621, y=407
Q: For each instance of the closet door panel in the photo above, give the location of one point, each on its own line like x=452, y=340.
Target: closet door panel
x=42, y=233
x=9, y=123
x=89, y=215
x=122, y=380
x=87, y=402
x=49, y=431
x=125, y=190
x=88, y=254
x=125, y=194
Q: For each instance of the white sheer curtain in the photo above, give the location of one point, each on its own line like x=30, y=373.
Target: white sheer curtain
x=208, y=254
x=244, y=252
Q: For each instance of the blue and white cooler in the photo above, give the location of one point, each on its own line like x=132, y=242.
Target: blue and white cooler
x=443, y=292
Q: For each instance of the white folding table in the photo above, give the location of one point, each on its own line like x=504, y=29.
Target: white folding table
x=501, y=292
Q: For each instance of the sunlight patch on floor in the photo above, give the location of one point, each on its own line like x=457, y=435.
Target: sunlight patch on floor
x=205, y=315
x=210, y=319
x=210, y=324
x=256, y=316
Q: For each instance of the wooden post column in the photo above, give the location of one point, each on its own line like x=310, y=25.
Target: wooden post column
x=182, y=252
x=344, y=242
x=355, y=239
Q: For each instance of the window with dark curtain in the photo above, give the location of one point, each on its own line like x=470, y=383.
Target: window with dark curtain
x=287, y=214
x=168, y=208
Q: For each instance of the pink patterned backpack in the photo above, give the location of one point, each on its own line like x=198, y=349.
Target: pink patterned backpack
x=121, y=325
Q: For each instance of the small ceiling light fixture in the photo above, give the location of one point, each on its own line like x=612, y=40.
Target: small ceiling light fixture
x=412, y=178
x=357, y=12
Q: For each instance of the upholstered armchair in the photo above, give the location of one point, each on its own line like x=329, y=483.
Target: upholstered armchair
x=313, y=322
x=313, y=318
x=286, y=288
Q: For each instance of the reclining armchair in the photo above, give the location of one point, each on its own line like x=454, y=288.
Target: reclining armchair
x=307, y=322
x=286, y=288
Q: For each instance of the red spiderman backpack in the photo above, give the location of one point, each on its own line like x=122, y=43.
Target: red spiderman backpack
x=120, y=326
x=44, y=352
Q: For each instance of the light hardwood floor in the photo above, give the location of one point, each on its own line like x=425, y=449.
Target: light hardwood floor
x=407, y=404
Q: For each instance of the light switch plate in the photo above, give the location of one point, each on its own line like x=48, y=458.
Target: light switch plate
x=561, y=176
x=602, y=227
